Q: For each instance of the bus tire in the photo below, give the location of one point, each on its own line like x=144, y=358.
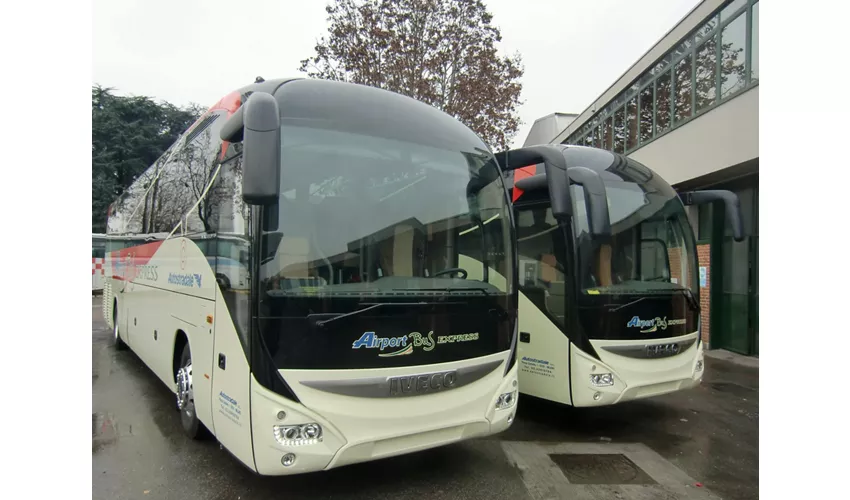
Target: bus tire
x=116, y=338
x=185, y=397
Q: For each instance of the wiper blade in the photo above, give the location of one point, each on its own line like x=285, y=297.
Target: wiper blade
x=627, y=304
x=692, y=299
x=448, y=290
x=373, y=306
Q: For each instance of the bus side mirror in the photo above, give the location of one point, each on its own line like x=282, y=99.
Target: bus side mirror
x=257, y=125
x=555, y=167
x=729, y=199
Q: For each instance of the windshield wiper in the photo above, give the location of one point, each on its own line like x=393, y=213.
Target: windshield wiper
x=627, y=304
x=448, y=290
x=373, y=306
x=692, y=299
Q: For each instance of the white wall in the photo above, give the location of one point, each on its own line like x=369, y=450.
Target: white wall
x=725, y=136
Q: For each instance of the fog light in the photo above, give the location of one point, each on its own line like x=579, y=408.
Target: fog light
x=506, y=400
x=288, y=459
x=281, y=415
x=510, y=418
x=602, y=379
x=597, y=396
x=699, y=366
x=298, y=435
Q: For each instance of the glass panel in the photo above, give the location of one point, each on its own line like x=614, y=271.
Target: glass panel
x=662, y=103
x=598, y=141
x=683, y=88
x=683, y=47
x=631, y=117
x=706, y=73
x=733, y=57
x=730, y=9
x=619, y=130
x=590, y=140
x=380, y=217
x=706, y=28
x=541, y=267
x=607, y=135
x=663, y=64
x=650, y=224
x=754, y=65
x=646, y=100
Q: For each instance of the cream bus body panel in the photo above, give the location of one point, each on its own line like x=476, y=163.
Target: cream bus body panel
x=634, y=378
x=544, y=361
x=549, y=364
x=153, y=301
x=358, y=429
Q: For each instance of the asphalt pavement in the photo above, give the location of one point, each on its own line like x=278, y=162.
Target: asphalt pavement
x=701, y=443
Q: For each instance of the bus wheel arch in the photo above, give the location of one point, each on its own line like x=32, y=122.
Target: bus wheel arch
x=184, y=388
x=116, y=337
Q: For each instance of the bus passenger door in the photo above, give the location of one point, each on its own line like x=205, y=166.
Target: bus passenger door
x=231, y=409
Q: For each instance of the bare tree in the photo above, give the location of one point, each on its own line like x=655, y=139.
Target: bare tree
x=441, y=52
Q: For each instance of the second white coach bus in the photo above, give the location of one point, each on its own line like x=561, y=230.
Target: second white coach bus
x=609, y=299
x=323, y=274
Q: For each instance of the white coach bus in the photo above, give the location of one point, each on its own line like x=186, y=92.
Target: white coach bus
x=311, y=274
x=609, y=299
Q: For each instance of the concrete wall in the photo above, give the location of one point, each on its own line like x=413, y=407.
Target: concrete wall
x=725, y=136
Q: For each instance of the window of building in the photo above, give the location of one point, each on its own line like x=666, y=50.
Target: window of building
x=646, y=112
x=706, y=73
x=662, y=103
x=754, y=64
x=733, y=57
x=632, y=124
x=684, y=70
x=729, y=11
x=619, y=130
x=713, y=62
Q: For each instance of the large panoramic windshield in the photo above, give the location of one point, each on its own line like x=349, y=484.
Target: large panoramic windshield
x=371, y=216
x=651, y=248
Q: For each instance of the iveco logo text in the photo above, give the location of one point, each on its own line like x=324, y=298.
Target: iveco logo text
x=661, y=350
x=651, y=325
x=429, y=382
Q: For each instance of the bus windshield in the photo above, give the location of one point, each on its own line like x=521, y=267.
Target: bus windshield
x=361, y=214
x=651, y=248
x=366, y=222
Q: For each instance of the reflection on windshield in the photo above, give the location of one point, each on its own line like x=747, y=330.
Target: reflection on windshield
x=365, y=214
x=651, y=248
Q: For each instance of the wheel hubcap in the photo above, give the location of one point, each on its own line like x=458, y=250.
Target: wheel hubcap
x=184, y=389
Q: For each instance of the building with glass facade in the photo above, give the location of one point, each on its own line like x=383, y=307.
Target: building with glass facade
x=688, y=109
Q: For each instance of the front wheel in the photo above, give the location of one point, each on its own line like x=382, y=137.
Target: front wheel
x=186, y=397
x=116, y=338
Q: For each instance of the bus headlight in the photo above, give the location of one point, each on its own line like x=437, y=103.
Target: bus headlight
x=506, y=400
x=602, y=379
x=298, y=435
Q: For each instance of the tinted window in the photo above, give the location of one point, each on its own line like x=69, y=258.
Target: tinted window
x=663, y=108
x=732, y=68
x=683, y=88
x=706, y=73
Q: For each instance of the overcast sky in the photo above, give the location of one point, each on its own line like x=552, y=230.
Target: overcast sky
x=186, y=51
